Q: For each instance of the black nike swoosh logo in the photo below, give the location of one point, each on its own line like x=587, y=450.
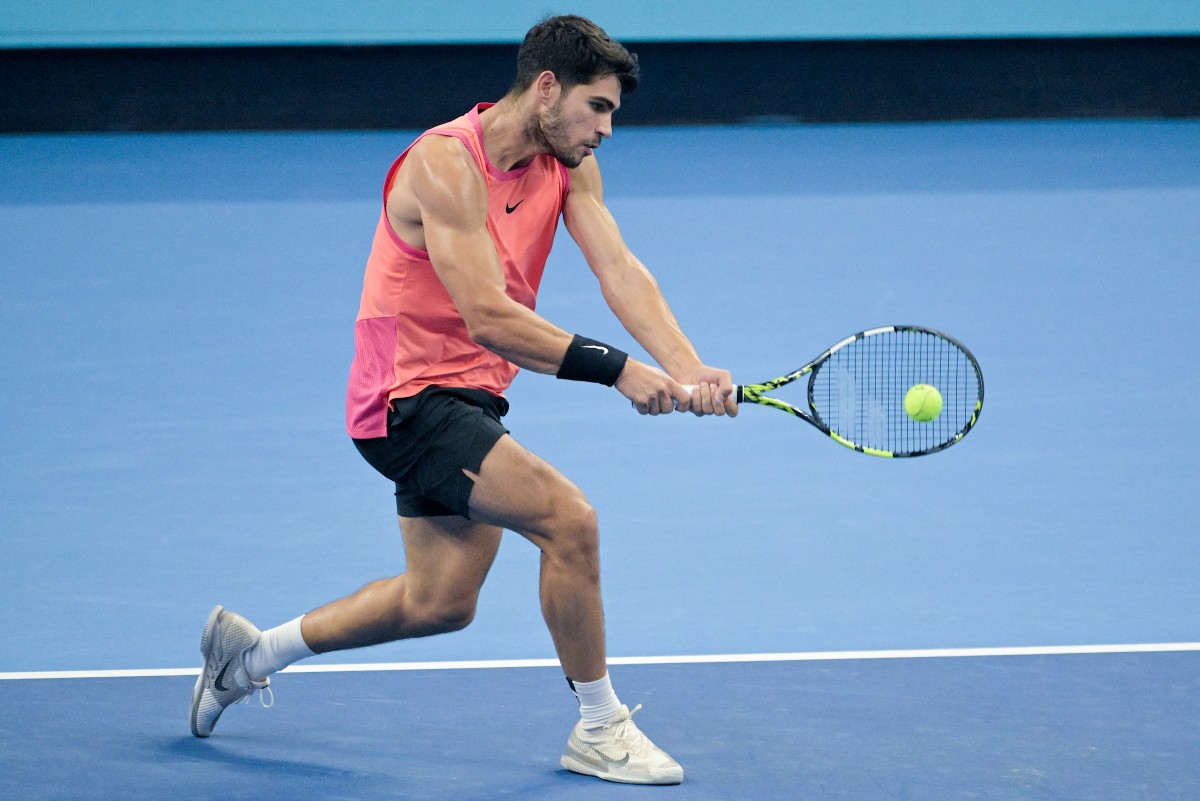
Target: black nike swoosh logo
x=600, y=759
x=221, y=675
x=510, y=209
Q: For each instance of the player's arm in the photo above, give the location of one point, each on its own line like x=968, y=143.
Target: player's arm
x=452, y=202
x=634, y=295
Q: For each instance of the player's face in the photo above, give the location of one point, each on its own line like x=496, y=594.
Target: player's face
x=574, y=126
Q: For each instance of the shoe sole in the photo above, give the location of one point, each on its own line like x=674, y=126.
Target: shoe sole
x=578, y=766
x=198, y=690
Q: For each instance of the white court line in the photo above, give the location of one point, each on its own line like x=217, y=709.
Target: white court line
x=812, y=656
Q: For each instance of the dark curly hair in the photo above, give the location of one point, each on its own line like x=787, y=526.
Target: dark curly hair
x=577, y=51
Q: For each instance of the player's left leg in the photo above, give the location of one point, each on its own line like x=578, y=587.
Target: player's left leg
x=447, y=560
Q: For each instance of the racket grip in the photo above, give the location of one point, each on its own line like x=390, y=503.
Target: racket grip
x=737, y=391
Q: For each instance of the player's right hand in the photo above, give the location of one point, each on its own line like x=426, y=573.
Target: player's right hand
x=651, y=391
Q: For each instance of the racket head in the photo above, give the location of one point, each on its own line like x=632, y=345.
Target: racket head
x=856, y=390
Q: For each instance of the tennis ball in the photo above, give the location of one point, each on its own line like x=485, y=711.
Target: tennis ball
x=923, y=403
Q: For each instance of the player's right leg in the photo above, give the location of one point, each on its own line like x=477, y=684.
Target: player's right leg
x=518, y=490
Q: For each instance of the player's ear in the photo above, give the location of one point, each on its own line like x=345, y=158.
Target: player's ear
x=547, y=87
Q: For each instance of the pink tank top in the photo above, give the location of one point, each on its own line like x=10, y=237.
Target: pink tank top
x=408, y=334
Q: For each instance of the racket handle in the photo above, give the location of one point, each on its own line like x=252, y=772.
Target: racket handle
x=737, y=391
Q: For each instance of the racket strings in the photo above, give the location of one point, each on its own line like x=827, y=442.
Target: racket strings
x=858, y=392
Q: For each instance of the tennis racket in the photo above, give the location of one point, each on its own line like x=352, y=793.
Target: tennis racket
x=856, y=391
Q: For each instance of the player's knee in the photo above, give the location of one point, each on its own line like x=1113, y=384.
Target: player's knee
x=453, y=615
x=436, y=613
x=577, y=536
x=578, y=520
x=456, y=618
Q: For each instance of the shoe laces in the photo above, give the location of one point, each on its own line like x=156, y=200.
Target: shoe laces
x=261, y=688
x=629, y=734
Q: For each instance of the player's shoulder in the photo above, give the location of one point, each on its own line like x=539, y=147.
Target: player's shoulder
x=585, y=179
x=433, y=150
x=439, y=161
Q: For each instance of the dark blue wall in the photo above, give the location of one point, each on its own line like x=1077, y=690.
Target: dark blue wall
x=415, y=86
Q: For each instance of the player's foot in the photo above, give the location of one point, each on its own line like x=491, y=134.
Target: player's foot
x=619, y=752
x=223, y=681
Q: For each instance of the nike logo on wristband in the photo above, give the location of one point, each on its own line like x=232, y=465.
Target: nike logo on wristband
x=604, y=350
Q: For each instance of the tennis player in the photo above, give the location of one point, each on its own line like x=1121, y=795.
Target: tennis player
x=446, y=319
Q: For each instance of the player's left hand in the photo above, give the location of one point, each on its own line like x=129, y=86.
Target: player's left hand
x=714, y=392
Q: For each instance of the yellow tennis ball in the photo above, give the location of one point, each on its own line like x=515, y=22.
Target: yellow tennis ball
x=923, y=403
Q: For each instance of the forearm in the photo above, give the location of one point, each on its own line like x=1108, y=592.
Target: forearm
x=636, y=299
x=522, y=336
x=531, y=342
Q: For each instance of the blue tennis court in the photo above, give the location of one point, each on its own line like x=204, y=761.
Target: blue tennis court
x=1012, y=618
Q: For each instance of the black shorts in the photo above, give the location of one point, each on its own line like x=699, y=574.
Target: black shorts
x=432, y=437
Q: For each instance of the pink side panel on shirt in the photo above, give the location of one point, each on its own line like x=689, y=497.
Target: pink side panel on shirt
x=371, y=375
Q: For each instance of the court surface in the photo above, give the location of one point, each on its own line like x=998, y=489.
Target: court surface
x=176, y=331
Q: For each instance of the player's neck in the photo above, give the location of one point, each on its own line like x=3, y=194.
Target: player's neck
x=506, y=138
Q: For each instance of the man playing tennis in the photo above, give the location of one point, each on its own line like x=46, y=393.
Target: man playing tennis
x=446, y=319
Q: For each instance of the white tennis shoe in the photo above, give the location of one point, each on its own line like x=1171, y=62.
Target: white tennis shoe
x=619, y=752
x=223, y=680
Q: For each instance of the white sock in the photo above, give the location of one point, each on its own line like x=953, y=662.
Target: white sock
x=597, y=701
x=278, y=648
